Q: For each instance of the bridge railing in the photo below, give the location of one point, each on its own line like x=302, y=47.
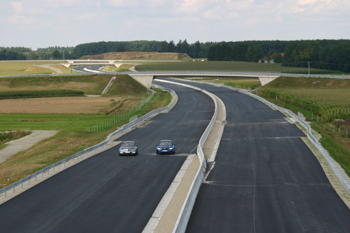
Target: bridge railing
x=191, y=73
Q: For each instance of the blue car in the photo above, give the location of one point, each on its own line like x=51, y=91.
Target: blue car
x=165, y=146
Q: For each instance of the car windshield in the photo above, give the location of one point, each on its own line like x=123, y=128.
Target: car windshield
x=165, y=143
x=128, y=144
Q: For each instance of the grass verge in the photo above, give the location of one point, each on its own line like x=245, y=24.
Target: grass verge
x=12, y=135
x=247, y=84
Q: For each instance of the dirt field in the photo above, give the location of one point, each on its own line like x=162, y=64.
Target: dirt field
x=138, y=55
x=60, y=105
x=54, y=86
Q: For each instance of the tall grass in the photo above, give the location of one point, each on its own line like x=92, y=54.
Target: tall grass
x=12, y=135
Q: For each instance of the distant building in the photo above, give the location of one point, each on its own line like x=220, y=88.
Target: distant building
x=264, y=59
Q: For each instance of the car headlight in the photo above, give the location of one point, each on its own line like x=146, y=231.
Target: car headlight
x=170, y=148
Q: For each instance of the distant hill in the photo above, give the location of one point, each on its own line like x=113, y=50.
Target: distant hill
x=138, y=55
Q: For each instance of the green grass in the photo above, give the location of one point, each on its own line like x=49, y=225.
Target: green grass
x=49, y=121
x=67, y=122
x=3, y=146
x=72, y=138
x=237, y=83
x=12, y=135
x=227, y=66
x=39, y=94
x=157, y=89
x=20, y=67
x=89, y=84
x=339, y=153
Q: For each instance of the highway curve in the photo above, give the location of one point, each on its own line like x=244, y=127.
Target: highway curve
x=265, y=178
x=108, y=193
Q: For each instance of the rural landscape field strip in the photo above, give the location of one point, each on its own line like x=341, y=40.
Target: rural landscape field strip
x=226, y=66
x=329, y=103
x=112, y=193
x=265, y=178
x=78, y=127
x=25, y=67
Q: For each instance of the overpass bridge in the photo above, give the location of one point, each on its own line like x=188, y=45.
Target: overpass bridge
x=90, y=62
x=145, y=78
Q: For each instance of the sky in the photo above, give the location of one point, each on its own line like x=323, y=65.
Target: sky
x=42, y=23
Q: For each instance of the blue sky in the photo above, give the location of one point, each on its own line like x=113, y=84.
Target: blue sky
x=43, y=23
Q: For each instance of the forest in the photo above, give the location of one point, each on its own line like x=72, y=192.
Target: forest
x=322, y=54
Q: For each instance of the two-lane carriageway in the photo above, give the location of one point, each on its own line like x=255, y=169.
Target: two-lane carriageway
x=265, y=178
x=109, y=193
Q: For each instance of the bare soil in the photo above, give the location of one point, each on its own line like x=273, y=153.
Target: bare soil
x=87, y=87
x=59, y=105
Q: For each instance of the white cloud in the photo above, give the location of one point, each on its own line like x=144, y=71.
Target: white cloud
x=139, y=3
x=202, y=20
x=87, y=16
x=60, y=3
x=20, y=19
x=17, y=7
x=303, y=2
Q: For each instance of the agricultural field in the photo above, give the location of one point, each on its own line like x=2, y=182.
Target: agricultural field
x=329, y=98
x=25, y=67
x=74, y=117
x=89, y=84
x=227, y=66
x=60, y=105
x=326, y=105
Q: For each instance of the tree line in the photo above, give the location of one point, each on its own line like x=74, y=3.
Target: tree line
x=194, y=50
x=23, y=53
x=322, y=54
x=329, y=57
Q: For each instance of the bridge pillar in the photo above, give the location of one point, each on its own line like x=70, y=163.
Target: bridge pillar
x=266, y=79
x=144, y=79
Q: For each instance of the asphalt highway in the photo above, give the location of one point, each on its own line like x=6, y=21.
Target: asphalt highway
x=92, y=67
x=265, y=178
x=109, y=193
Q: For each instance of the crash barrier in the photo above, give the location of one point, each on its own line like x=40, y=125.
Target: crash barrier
x=188, y=204
x=336, y=169
x=86, y=152
x=115, y=120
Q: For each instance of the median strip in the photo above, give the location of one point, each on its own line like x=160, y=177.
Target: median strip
x=180, y=197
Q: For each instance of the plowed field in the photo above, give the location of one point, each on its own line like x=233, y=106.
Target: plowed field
x=60, y=105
